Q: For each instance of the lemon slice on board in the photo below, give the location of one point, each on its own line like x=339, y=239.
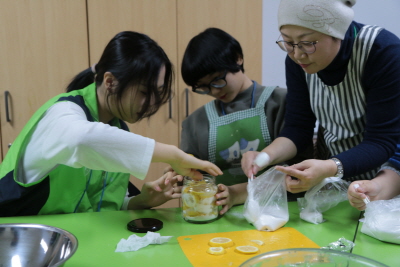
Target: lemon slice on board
x=221, y=242
x=258, y=242
x=216, y=250
x=247, y=249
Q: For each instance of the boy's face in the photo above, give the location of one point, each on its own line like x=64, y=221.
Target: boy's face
x=234, y=84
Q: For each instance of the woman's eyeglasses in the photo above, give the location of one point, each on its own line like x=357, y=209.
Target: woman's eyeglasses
x=217, y=82
x=306, y=47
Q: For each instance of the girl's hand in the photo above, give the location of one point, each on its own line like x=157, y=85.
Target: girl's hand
x=183, y=163
x=189, y=166
x=156, y=193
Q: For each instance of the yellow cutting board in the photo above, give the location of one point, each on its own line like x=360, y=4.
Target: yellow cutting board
x=195, y=246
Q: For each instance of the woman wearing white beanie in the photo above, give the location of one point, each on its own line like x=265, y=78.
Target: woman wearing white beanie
x=346, y=76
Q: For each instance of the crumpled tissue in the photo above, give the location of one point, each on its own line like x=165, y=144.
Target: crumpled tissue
x=135, y=242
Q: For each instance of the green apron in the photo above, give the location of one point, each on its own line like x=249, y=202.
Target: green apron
x=234, y=134
x=65, y=189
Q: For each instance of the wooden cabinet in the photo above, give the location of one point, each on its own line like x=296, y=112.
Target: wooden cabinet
x=43, y=45
x=47, y=42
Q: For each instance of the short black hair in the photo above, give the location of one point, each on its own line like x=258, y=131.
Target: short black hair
x=212, y=50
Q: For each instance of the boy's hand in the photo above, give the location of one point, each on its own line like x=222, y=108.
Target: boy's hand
x=223, y=198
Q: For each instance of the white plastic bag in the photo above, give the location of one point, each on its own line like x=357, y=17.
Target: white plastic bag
x=320, y=198
x=266, y=205
x=382, y=220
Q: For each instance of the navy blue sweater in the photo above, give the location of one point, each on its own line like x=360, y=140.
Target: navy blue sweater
x=381, y=83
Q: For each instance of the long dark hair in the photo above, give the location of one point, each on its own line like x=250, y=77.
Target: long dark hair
x=210, y=51
x=134, y=59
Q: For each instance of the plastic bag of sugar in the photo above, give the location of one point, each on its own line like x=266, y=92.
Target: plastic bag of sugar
x=322, y=197
x=382, y=220
x=266, y=205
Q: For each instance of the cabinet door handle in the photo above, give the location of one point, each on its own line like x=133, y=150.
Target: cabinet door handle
x=170, y=107
x=6, y=94
x=187, y=101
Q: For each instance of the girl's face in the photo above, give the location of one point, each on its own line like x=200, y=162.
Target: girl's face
x=235, y=83
x=326, y=49
x=133, y=100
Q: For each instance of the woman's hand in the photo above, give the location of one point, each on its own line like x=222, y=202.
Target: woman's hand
x=248, y=166
x=356, y=196
x=386, y=185
x=229, y=196
x=157, y=192
x=280, y=150
x=306, y=174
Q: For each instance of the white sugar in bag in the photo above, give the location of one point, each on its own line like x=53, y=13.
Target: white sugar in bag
x=266, y=205
x=382, y=220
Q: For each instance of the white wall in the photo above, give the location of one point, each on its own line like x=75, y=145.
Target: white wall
x=384, y=13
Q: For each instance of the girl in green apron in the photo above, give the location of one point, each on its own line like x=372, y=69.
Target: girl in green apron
x=76, y=152
x=245, y=116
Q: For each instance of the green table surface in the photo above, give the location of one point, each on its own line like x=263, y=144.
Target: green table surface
x=98, y=233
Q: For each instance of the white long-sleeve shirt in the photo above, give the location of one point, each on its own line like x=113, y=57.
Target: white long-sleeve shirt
x=65, y=136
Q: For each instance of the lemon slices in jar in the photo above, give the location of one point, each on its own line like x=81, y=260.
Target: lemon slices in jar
x=220, y=242
x=188, y=200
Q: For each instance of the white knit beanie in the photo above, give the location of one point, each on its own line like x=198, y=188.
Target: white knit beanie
x=331, y=17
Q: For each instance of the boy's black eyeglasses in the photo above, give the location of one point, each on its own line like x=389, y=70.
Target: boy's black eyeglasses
x=306, y=47
x=218, y=82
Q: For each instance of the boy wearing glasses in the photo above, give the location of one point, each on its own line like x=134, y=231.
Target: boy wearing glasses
x=245, y=116
x=345, y=75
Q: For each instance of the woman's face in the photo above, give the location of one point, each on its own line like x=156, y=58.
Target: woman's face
x=133, y=100
x=326, y=49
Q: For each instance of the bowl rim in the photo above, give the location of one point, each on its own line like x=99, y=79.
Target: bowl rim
x=314, y=250
x=71, y=236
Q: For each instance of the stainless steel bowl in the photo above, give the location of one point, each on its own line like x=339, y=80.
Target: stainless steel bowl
x=35, y=245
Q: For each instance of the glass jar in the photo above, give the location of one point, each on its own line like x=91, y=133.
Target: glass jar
x=198, y=199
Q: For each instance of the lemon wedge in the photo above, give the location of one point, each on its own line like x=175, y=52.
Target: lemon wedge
x=221, y=242
x=247, y=249
x=216, y=250
x=258, y=242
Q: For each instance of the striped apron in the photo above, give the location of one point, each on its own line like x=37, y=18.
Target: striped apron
x=340, y=109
